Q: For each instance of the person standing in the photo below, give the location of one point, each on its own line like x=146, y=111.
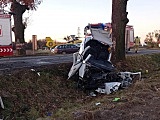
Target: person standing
x=136, y=44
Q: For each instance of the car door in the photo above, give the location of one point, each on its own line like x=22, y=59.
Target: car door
x=68, y=48
x=74, y=48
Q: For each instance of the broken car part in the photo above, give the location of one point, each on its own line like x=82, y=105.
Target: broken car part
x=93, y=67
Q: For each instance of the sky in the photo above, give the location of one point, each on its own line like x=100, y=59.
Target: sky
x=59, y=18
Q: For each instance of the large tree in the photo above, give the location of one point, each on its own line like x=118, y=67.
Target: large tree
x=119, y=21
x=18, y=7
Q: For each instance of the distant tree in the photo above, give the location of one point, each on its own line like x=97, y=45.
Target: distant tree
x=119, y=21
x=153, y=38
x=150, y=37
x=157, y=35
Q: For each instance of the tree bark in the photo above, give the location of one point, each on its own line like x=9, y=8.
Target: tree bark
x=119, y=21
x=19, y=27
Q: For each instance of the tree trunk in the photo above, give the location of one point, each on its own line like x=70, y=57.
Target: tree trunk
x=119, y=21
x=19, y=27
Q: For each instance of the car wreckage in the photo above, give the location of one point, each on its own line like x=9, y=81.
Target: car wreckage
x=93, y=68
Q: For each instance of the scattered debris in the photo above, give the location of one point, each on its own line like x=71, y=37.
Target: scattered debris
x=2, y=105
x=127, y=78
x=33, y=70
x=38, y=73
x=49, y=114
x=98, y=103
x=100, y=90
x=92, y=64
x=116, y=99
x=111, y=87
x=93, y=94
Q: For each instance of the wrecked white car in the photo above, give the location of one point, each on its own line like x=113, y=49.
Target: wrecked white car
x=92, y=64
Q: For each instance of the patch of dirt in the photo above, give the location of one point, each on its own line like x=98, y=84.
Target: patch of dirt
x=44, y=92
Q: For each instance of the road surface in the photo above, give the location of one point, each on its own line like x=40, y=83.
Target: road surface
x=8, y=64
x=143, y=51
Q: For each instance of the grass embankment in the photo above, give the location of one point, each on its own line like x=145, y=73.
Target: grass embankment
x=46, y=92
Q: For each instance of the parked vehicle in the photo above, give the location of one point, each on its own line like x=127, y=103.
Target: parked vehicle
x=78, y=44
x=65, y=48
x=6, y=48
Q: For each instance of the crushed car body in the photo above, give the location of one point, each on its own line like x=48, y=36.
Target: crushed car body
x=93, y=68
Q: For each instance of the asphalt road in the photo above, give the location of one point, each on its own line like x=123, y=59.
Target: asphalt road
x=143, y=51
x=8, y=64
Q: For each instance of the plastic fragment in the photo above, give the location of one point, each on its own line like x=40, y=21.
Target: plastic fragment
x=116, y=99
x=38, y=73
x=98, y=103
x=33, y=70
x=1, y=102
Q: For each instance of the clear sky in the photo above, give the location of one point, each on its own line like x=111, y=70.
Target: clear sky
x=59, y=18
